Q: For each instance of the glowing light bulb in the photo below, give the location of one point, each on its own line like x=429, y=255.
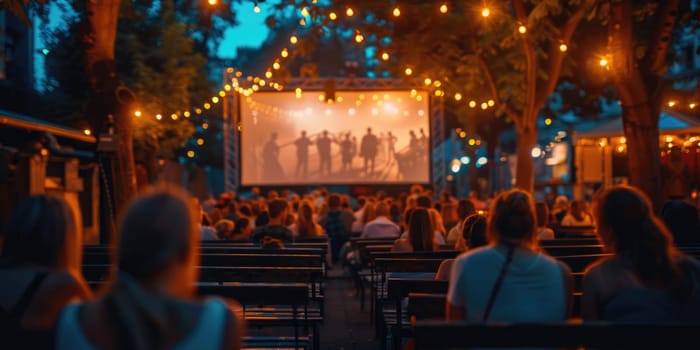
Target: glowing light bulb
x=190, y=154
x=200, y=141
x=671, y=103
x=443, y=8
x=87, y=132
x=222, y=93
x=207, y=105
x=692, y=105
x=349, y=12
x=137, y=114
x=485, y=12
x=332, y=16
x=427, y=81
x=186, y=114
x=563, y=47
x=305, y=12
x=458, y=97
x=293, y=39
x=256, y=8
x=491, y=103
x=408, y=71
x=276, y=66
x=284, y=53
x=603, y=62
x=522, y=29
x=159, y=117
x=396, y=12
x=268, y=74
x=359, y=38
x=472, y=104
x=548, y=121
x=215, y=99
x=385, y=56
x=484, y=105
x=205, y=125
x=212, y=2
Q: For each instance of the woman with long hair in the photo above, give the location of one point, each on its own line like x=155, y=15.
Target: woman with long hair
x=509, y=280
x=473, y=236
x=150, y=303
x=647, y=279
x=438, y=225
x=305, y=225
x=420, y=236
x=39, y=271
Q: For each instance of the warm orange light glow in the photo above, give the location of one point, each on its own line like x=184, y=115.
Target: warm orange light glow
x=458, y=97
x=522, y=29
x=190, y=154
x=385, y=56
x=200, y=141
x=212, y=2
x=396, y=12
x=293, y=39
x=87, y=132
x=563, y=47
x=284, y=53
x=332, y=16
x=671, y=103
x=548, y=121
x=443, y=8
x=427, y=81
x=186, y=114
x=349, y=12
x=268, y=74
x=359, y=38
x=472, y=104
x=159, y=117
x=276, y=66
x=491, y=103
x=207, y=105
x=137, y=114
x=205, y=125
x=408, y=71
x=603, y=62
x=485, y=12
x=692, y=105
x=215, y=99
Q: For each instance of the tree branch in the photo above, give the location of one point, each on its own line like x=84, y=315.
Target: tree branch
x=530, y=59
x=507, y=109
x=556, y=57
x=665, y=22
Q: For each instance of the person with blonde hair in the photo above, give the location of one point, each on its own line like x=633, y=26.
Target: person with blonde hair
x=150, y=302
x=305, y=225
x=438, y=226
x=39, y=271
x=646, y=279
x=509, y=280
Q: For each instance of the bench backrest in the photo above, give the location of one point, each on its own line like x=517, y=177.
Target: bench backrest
x=293, y=294
x=234, y=260
x=431, y=335
x=578, y=263
x=399, y=288
x=566, y=250
x=260, y=274
x=570, y=241
x=383, y=265
x=427, y=305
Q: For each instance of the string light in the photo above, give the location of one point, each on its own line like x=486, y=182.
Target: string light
x=256, y=8
x=186, y=114
x=490, y=103
x=472, y=104
x=222, y=93
x=284, y=53
x=268, y=74
x=408, y=71
x=443, y=8
x=563, y=47
x=332, y=16
x=293, y=39
x=276, y=66
x=671, y=103
x=200, y=141
x=522, y=29
x=692, y=105
x=212, y=2
x=458, y=97
x=359, y=37
x=385, y=56
x=198, y=110
x=484, y=105
x=205, y=125
x=349, y=12
x=87, y=132
x=396, y=12
x=173, y=116
x=485, y=12
x=427, y=81
x=137, y=114
x=159, y=117
x=305, y=11
x=548, y=121
x=603, y=62
x=215, y=99
x=190, y=154
x=207, y=105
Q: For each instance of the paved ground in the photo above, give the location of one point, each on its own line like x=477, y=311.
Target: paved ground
x=345, y=326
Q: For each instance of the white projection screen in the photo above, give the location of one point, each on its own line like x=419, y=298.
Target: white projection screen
x=370, y=137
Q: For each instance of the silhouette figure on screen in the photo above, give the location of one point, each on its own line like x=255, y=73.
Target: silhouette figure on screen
x=423, y=142
x=368, y=150
x=391, y=145
x=323, y=144
x=347, y=152
x=272, y=169
x=413, y=144
x=302, y=144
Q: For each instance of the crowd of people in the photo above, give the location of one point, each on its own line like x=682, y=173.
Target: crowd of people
x=503, y=274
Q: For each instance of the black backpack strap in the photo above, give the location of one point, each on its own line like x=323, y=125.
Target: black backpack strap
x=499, y=282
x=17, y=312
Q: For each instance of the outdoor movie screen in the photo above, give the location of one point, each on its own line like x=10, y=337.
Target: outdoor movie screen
x=363, y=137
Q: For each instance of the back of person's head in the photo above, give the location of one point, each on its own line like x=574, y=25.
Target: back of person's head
x=277, y=207
x=42, y=231
x=157, y=229
x=382, y=209
x=465, y=208
x=449, y=212
x=424, y=201
x=262, y=219
x=436, y=220
x=561, y=203
x=578, y=209
x=241, y=225
x=157, y=253
x=512, y=219
x=473, y=233
x=628, y=227
x=224, y=228
x=306, y=224
x=245, y=210
x=542, y=212
x=334, y=201
x=420, y=230
x=394, y=211
x=269, y=242
x=369, y=213
x=681, y=218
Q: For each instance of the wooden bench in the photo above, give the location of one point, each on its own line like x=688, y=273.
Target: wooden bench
x=574, y=249
x=578, y=263
x=570, y=241
x=239, y=260
x=271, y=305
x=434, y=335
x=423, y=306
x=394, y=319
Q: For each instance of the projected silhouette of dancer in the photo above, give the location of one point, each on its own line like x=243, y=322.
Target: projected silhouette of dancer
x=323, y=144
x=368, y=150
x=302, y=144
x=413, y=144
x=423, y=142
x=347, y=151
x=272, y=169
x=391, y=145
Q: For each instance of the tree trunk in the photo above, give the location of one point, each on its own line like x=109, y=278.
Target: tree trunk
x=525, y=170
x=643, y=152
x=108, y=97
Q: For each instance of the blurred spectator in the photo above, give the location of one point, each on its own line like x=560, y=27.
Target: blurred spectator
x=465, y=208
x=224, y=229
x=275, y=228
x=560, y=209
x=242, y=229
x=473, y=235
x=681, y=218
x=647, y=280
x=449, y=215
x=577, y=215
x=381, y=226
x=543, y=230
x=420, y=236
x=306, y=226
x=150, y=303
x=39, y=271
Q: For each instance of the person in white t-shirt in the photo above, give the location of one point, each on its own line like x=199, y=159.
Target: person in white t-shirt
x=381, y=226
x=509, y=280
x=577, y=216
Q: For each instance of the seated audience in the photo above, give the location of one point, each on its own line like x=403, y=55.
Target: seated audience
x=559, y=209
x=449, y=215
x=150, y=303
x=577, y=215
x=420, y=236
x=464, y=208
x=509, y=280
x=473, y=235
x=242, y=229
x=335, y=226
x=543, y=230
x=681, y=218
x=647, y=279
x=438, y=226
x=381, y=226
x=306, y=226
x=39, y=271
x=275, y=227
x=224, y=229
